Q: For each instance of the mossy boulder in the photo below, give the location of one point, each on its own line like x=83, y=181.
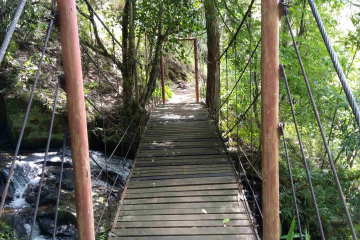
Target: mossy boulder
x=36, y=132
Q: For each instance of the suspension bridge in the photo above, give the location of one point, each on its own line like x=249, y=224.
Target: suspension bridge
x=183, y=183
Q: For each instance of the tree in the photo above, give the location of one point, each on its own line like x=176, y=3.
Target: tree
x=213, y=44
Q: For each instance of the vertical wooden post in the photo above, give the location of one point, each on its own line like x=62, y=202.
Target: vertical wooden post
x=162, y=79
x=270, y=117
x=77, y=118
x=196, y=69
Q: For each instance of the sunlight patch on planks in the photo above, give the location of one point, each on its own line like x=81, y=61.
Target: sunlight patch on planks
x=182, y=185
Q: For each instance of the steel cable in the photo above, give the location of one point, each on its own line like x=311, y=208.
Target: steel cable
x=117, y=176
x=45, y=159
x=227, y=98
x=103, y=115
x=103, y=74
x=336, y=178
x=11, y=30
x=112, y=35
x=237, y=32
x=303, y=155
x=118, y=144
x=350, y=97
x=252, y=166
x=252, y=191
x=11, y=172
x=242, y=115
x=281, y=125
x=60, y=180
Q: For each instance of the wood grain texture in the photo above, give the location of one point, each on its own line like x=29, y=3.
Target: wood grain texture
x=183, y=184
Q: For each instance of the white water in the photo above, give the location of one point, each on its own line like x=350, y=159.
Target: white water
x=28, y=170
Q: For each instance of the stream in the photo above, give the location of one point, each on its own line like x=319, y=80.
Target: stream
x=23, y=190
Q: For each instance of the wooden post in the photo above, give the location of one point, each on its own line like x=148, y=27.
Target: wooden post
x=196, y=69
x=270, y=117
x=77, y=118
x=162, y=79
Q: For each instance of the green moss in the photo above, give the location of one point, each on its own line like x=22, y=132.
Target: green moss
x=38, y=124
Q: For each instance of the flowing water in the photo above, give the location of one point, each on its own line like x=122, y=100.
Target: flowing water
x=26, y=179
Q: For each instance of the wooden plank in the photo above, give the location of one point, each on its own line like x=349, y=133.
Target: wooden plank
x=184, y=194
x=218, y=156
x=203, y=223
x=183, y=211
x=180, y=163
x=180, y=145
x=231, y=216
x=179, y=172
x=181, y=200
x=183, y=188
x=184, y=160
x=182, y=182
x=178, y=152
x=183, y=231
x=207, y=237
x=182, y=176
x=183, y=138
x=182, y=171
x=203, y=205
x=181, y=168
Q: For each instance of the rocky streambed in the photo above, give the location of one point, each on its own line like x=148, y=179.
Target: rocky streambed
x=21, y=198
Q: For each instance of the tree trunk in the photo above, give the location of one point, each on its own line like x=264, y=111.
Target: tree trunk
x=213, y=44
x=155, y=69
x=127, y=64
x=302, y=23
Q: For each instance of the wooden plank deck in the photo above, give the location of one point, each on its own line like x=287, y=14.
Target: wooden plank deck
x=182, y=184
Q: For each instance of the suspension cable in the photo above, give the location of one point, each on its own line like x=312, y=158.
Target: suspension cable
x=237, y=32
x=252, y=166
x=112, y=154
x=117, y=176
x=281, y=125
x=350, y=97
x=336, y=178
x=103, y=115
x=222, y=18
x=60, y=180
x=112, y=35
x=303, y=155
x=242, y=115
x=11, y=172
x=247, y=64
x=10, y=32
x=106, y=78
x=45, y=159
x=252, y=191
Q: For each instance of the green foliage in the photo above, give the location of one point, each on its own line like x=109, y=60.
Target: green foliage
x=345, y=138
x=6, y=232
x=158, y=92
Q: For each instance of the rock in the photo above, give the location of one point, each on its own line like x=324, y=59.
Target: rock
x=48, y=194
x=37, y=127
x=66, y=223
x=11, y=190
x=68, y=231
x=67, y=179
x=9, y=195
x=46, y=226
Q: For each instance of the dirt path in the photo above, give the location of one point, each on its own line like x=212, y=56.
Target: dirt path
x=186, y=94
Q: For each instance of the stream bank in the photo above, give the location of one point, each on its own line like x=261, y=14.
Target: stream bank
x=20, y=202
